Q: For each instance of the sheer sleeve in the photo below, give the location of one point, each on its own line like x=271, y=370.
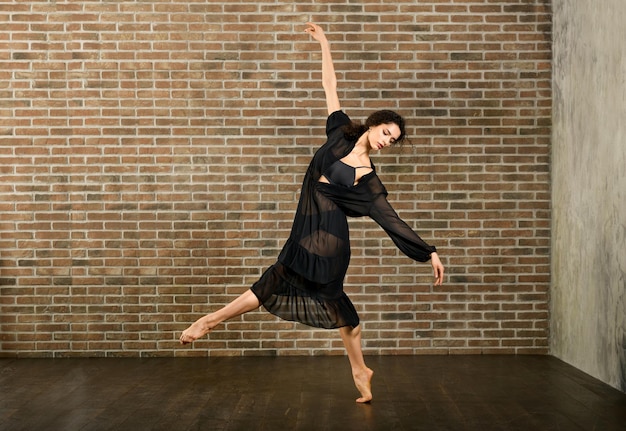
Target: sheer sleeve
x=402, y=235
x=335, y=121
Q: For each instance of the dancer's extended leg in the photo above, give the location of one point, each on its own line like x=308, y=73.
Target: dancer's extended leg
x=245, y=302
x=360, y=373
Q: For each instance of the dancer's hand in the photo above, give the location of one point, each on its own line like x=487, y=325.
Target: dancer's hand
x=316, y=32
x=437, y=268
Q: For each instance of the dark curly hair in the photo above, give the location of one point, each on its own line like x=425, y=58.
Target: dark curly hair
x=353, y=131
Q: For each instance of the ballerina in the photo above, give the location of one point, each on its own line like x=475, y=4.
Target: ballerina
x=306, y=282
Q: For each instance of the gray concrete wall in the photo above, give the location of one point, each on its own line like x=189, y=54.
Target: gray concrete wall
x=588, y=294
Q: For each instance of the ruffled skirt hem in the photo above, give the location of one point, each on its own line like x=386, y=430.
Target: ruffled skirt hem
x=292, y=297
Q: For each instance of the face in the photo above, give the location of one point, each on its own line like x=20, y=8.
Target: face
x=383, y=135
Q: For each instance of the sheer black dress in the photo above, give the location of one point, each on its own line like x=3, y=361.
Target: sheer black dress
x=306, y=283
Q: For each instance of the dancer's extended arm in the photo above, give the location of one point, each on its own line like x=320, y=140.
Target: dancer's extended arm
x=329, y=80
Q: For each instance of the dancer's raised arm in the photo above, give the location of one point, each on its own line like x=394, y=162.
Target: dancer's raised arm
x=329, y=80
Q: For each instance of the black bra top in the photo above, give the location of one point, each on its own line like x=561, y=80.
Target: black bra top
x=342, y=174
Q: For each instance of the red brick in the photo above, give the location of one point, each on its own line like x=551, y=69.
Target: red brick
x=147, y=186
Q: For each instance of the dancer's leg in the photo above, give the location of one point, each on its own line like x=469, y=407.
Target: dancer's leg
x=247, y=301
x=360, y=373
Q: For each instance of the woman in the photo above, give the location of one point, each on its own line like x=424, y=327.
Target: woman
x=306, y=283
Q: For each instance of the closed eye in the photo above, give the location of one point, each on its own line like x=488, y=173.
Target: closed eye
x=386, y=132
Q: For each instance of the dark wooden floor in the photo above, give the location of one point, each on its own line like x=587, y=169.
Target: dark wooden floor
x=305, y=393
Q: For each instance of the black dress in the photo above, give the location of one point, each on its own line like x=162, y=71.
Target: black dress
x=306, y=283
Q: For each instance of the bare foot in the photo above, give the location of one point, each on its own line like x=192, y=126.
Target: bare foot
x=198, y=329
x=363, y=382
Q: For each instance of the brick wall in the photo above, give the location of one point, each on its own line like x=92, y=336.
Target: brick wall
x=151, y=155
